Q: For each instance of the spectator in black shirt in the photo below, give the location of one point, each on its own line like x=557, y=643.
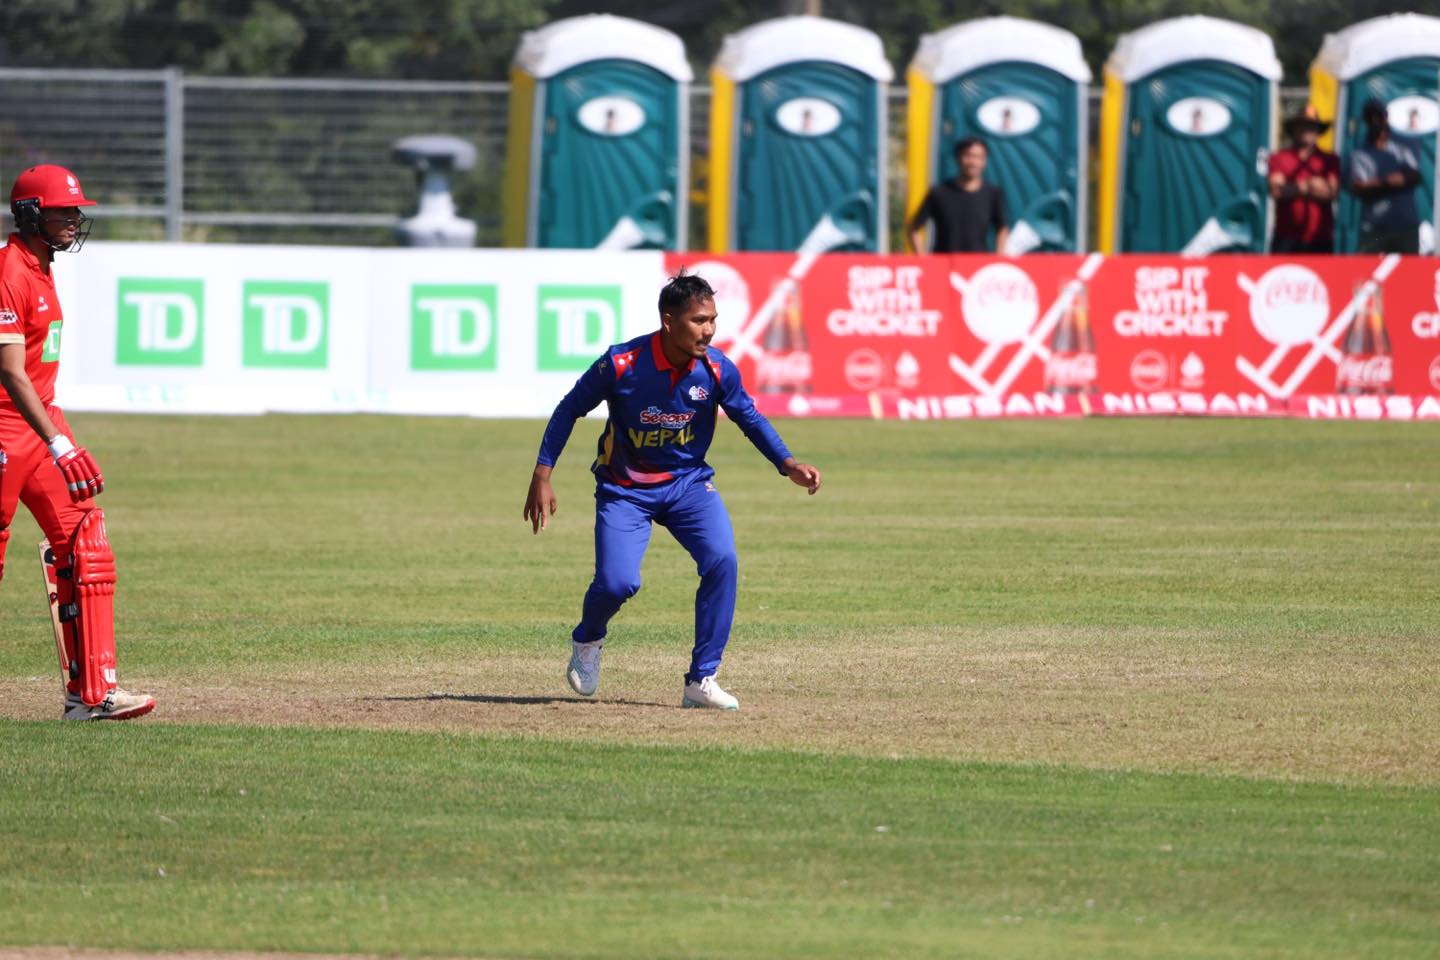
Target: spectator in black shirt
x=963, y=211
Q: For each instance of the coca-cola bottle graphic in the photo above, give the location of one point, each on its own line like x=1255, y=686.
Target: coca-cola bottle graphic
x=785, y=365
x=1365, y=364
x=1071, y=368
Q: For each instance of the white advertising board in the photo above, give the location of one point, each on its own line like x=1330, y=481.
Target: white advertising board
x=190, y=328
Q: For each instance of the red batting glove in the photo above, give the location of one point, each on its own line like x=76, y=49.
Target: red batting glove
x=82, y=474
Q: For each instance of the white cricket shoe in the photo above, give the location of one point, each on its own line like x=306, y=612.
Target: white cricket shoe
x=707, y=693
x=584, y=670
x=117, y=705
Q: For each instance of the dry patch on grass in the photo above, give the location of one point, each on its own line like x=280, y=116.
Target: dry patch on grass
x=1324, y=710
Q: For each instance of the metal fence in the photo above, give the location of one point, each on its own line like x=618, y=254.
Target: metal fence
x=195, y=158
x=216, y=158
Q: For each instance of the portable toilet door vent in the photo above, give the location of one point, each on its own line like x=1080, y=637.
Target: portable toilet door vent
x=797, y=138
x=1020, y=86
x=597, y=153
x=1395, y=60
x=1187, y=126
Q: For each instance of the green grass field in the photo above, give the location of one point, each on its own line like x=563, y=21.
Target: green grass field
x=1064, y=689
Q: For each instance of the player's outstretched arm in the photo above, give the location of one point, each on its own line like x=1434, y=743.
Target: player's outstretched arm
x=802, y=474
x=82, y=475
x=540, y=502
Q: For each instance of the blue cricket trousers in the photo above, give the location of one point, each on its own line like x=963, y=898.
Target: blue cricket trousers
x=691, y=509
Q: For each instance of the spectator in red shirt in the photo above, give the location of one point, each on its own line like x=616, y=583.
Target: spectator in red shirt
x=1304, y=181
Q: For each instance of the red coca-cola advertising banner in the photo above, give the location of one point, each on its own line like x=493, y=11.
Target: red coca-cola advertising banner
x=1071, y=335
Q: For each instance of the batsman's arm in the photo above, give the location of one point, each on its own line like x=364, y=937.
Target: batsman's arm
x=22, y=392
x=82, y=475
x=586, y=395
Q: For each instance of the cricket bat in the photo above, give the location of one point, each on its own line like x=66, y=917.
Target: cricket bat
x=47, y=567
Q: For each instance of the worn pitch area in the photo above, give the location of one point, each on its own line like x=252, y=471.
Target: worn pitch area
x=1241, y=597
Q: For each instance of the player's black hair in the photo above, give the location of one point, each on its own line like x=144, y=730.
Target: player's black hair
x=965, y=143
x=682, y=290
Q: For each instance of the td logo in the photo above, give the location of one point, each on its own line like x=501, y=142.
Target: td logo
x=452, y=327
x=577, y=323
x=160, y=322
x=286, y=324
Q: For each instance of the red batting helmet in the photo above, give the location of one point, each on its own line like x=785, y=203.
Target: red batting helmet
x=47, y=186
x=52, y=185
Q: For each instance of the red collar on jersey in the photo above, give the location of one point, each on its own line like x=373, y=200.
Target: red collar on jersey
x=663, y=363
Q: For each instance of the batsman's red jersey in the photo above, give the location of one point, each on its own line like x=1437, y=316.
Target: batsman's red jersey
x=29, y=314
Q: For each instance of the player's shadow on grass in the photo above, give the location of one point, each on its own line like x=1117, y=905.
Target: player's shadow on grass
x=515, y=701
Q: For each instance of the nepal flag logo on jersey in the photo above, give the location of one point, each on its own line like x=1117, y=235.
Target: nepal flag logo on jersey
x=654, y=416
x=698, y=392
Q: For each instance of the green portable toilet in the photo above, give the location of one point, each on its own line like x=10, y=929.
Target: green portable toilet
x=1395, y=60
x=797, y=138
x=1187, y=124
x=1020, y=86
x=597, y=152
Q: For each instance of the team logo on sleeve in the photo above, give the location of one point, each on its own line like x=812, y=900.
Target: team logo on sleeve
x=698, y=392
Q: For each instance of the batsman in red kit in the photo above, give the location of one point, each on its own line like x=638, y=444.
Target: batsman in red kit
x=40, y=463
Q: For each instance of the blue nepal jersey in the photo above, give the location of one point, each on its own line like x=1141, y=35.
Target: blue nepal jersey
x=662, y=419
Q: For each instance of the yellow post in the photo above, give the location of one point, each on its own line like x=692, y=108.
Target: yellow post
x=515, y=204
x=722, y=161
x=920, y=143
x=1112, y=118
x=1325, y=97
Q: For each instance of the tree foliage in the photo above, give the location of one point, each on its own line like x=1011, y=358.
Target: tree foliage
x=433, y=39
x=474, y=39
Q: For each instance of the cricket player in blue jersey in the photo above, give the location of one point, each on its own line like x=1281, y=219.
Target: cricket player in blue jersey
x=664, y=391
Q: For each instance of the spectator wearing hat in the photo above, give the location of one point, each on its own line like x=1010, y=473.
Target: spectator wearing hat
x=1304, y=181
x=1382, y=174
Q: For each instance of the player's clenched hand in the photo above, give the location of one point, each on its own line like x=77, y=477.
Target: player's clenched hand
x=540, y=501
x=803, y=475
x=81, y=472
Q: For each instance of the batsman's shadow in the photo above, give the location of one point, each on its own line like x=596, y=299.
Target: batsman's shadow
x=513, y=700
